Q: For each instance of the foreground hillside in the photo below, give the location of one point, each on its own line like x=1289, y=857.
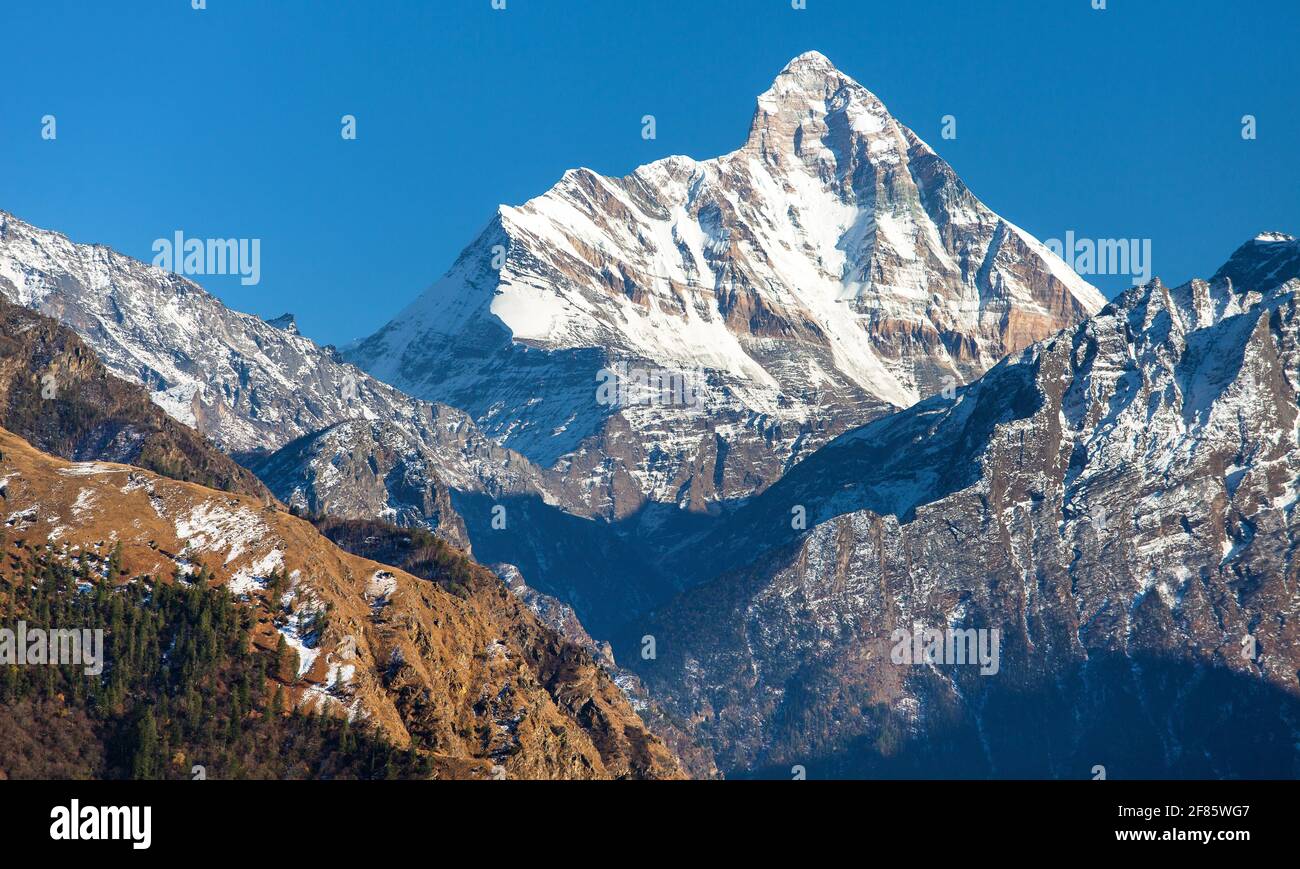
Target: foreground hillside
x=56, y=394
x=456, y=671
x=185, y=698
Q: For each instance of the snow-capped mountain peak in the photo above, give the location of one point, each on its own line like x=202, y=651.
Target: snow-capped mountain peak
x=810, y=90
x=831, y=269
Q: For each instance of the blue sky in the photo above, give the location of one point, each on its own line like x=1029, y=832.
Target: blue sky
x=225, y=122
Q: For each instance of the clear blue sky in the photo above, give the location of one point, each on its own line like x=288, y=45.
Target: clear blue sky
x=225, y=122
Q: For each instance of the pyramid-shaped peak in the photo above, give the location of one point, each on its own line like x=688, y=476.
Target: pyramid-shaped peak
x=285, y=323
x=803, y=94
x=809, y=59
x=810, y=73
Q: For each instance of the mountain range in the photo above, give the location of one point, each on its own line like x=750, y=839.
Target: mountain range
x=254, y=388
x=720, y=428
x=1117, y=500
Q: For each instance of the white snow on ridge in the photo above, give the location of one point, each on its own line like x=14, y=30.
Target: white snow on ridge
x=178, y=402
x=254, y=574
x=211, y=527
x=91, y=469
x=826, y=270
x=1088, y=295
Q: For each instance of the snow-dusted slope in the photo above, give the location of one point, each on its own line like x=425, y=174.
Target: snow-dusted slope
x=1119, y=501
x=249, y=385
x=1267, y=260
x=442, y=659
x=364, y=469
x=832, y=269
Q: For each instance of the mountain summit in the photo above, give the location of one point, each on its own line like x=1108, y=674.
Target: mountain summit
x=831, y=270
x=806, y=90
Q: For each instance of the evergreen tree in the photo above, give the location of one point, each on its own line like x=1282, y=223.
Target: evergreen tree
x=286, y=661
x=181, y=676
x=145, y=764
x=115, y=561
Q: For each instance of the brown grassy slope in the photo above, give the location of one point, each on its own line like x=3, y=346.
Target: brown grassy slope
x=469, y=675
x=568, y=663
x=94, y=415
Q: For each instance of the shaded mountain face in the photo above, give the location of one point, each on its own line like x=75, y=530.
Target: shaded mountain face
x=1268, y=260
x=831, y=270
x=253, y=387
x=678, y=734
x=1118, y=502
x=55, y=393
x=450, y=664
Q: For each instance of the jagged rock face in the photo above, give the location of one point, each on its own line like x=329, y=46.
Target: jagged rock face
x=555, y=614
x=1118, y=501
x=241, y=381
x=364, y=470
x=250, y=386
x=465, y=672
x=832, y=269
